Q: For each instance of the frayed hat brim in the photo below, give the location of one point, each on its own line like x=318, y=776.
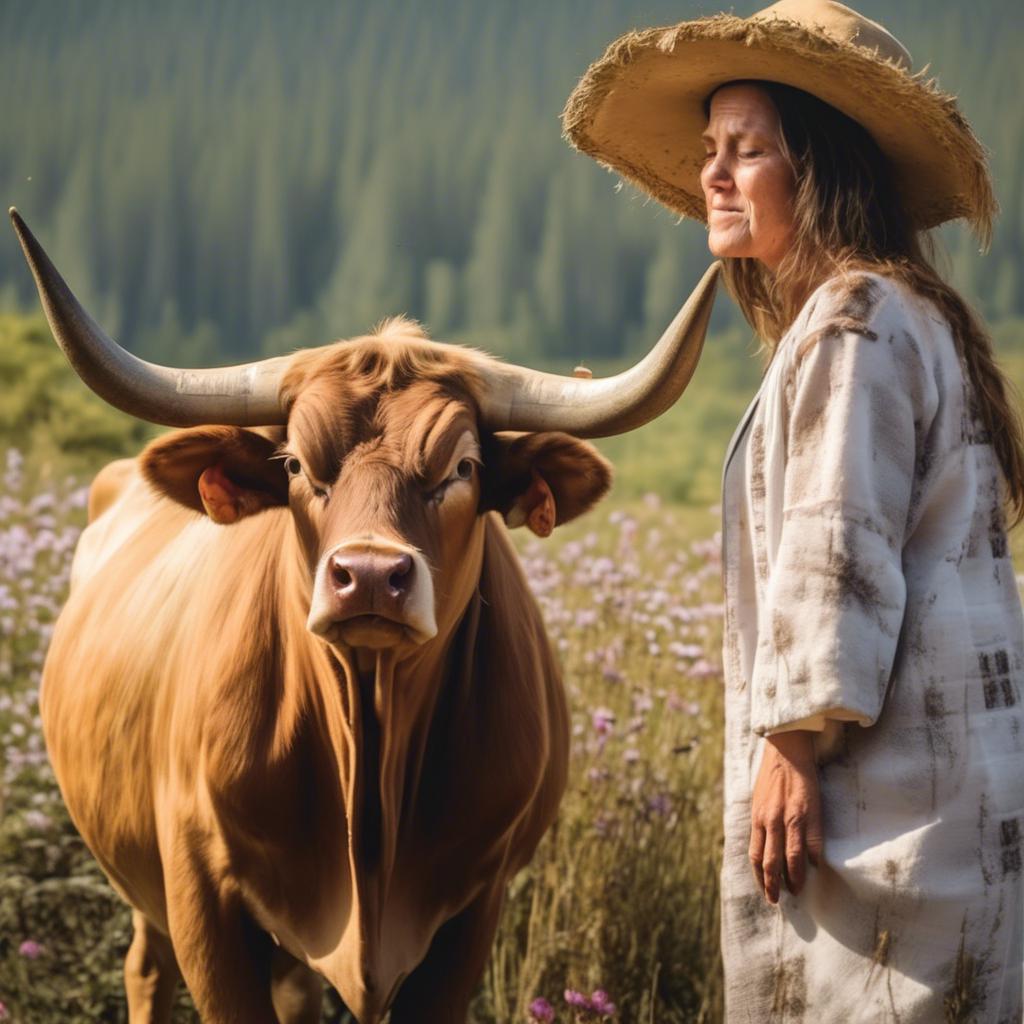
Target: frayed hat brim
x=639, y=111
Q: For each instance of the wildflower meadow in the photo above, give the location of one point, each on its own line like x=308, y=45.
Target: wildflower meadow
x=615, y=919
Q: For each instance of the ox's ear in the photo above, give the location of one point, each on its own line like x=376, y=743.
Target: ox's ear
x=542, y=480
x=226, y=472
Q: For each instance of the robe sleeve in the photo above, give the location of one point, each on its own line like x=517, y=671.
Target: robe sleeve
x=835, y=592
x=816, y=723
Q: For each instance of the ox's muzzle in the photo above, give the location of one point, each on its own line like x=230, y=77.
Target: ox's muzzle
x=373, y=593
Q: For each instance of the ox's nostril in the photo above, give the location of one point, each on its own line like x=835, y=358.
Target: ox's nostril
x=340, y=576
x=401, y=573
x=388, y=574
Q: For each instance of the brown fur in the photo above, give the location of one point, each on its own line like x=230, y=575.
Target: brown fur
x=240, y=780
x=107, y=486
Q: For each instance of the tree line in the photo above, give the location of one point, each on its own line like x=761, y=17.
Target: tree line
x=221, y=180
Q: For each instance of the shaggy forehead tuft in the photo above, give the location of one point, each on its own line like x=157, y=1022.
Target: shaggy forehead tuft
x=395, y=383
x=395, y=357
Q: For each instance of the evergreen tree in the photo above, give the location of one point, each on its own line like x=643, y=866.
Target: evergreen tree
x=273, y=170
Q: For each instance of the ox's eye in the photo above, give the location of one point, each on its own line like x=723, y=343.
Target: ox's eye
x=293, y=467
x=463, y=472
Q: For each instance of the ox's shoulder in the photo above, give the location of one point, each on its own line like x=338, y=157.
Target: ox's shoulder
x=120, y=501
x=108, y=485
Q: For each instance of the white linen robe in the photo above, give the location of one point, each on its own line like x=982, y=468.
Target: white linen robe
x=870, y=594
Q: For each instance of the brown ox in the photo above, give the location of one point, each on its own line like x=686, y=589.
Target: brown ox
x=312, y=732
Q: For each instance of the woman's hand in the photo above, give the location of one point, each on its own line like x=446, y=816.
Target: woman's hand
x=785, y=814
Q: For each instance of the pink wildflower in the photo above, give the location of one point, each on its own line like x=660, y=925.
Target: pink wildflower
x=541, y=1011
x=660, y=804
x=603, y=720
x=703, y=669
x=30, y=949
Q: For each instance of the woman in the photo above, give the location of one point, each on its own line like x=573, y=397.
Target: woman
x=874, y=643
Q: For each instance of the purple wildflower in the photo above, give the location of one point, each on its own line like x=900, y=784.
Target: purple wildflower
x=687, y=707
x=601, y=1004
x=681, y=650
x=36, y=820
x=642, y=702
x=603, y=720
x=597, y=1005
x=660, y=804
x=30, y=949
x=541, y=1011
x=610, y=674
x=703, y=669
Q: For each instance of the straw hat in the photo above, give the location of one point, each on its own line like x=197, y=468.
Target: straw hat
x=639, y=110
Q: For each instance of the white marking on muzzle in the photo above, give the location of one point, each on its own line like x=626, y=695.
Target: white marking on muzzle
x=418, y=609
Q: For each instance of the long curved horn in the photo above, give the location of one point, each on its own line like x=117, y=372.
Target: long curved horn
x=245, y=395
x=519, y=399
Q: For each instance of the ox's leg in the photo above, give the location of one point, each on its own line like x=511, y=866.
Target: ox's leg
x=224, y=957
x=151, y=974
x=440, y=989
x=298, y=991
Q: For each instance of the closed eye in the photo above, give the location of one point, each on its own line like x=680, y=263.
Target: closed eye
x=463, y=472
x=293, y=467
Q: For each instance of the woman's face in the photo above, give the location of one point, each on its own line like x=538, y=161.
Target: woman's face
x=748, y=183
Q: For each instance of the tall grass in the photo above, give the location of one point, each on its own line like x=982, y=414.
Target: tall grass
x=623, y=895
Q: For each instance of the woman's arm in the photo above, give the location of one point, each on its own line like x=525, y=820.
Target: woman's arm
x=785, y=814
x=860, y=397
x=858, y=400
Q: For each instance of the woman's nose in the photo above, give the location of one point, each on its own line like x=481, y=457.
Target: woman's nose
x=715, y=174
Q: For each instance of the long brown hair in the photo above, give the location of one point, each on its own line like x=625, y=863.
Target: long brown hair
x=848, y=216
